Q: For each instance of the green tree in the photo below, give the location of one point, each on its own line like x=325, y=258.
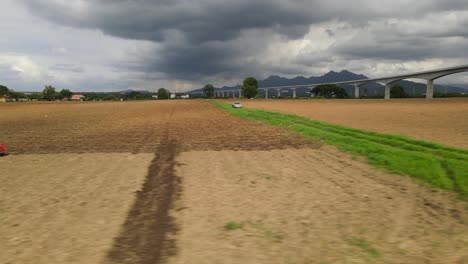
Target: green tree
x=329, y=91
x=163, y=93
x=35, y=96
x=208, y=90
x=138, y=95
x=250, y=87
x=65, y=93
x=108, y=97
x=17, y=95
x=49, y=93
x=397, y=91
x=4, y=90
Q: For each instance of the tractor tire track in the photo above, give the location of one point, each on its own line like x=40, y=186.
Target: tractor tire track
x=144, y=237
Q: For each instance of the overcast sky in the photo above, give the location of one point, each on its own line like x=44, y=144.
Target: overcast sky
x=105, y=45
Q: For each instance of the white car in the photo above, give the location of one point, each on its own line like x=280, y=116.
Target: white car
x=236, y=105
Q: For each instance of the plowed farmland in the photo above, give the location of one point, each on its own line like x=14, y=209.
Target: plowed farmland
x=441, y=120
x=185, y=182
x=130, y=127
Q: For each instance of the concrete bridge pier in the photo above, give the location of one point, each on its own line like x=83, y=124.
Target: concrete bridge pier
x=294, y=92
x=240, y=93
x=387, y=91
x=266, y=93
x=279, y=92
x=356, y=91
x=430, y=89
x=233, y=94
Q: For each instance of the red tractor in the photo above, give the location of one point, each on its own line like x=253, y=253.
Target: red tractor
x=3, y=150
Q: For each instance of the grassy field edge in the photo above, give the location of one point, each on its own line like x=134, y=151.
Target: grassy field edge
x=441, y=166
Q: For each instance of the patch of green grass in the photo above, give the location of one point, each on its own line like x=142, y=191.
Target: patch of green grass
x=366, y=247
x=441, y=166
x=232, y=225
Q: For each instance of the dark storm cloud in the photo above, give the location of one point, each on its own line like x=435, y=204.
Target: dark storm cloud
x=199, y=21
x=205, y=59
x=403, y=49
x=195, y=36
x=208, y=37
x=207, y=20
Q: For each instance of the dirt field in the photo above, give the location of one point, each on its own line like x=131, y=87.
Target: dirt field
x=137, y=127
x=155, y=182
x=75, y=167
x=440, y=120
x=311, y=206
x=65, y=208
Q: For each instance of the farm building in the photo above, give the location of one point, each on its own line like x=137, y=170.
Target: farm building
x=77, y=97
x=2, y=99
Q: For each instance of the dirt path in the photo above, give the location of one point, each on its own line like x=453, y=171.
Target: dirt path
x=143, y=239
x=439, y=120
x=311, y=206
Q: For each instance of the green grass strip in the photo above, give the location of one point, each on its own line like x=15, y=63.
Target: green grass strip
x=441, y=166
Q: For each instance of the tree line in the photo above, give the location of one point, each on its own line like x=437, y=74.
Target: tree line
x=49, y=93
x=249, y=90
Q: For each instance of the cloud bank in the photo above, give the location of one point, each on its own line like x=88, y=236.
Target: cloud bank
x=111, y=44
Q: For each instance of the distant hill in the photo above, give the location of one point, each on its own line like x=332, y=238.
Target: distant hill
x=135, y=91
x=371, y=89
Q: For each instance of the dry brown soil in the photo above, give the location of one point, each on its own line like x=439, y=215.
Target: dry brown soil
x=130, y=127
x=311, y=206
x=154, y=182
x=439, y=120
x=65, y=208
x=74, y=167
